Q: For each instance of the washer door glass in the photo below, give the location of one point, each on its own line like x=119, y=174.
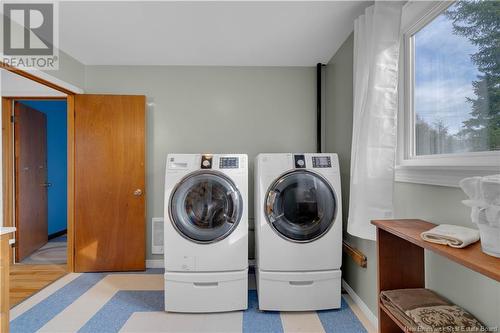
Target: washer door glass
x=206, y=206
x=301, y=206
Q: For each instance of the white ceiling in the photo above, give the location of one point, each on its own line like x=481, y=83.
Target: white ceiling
x=14, y=85
x=234, y=33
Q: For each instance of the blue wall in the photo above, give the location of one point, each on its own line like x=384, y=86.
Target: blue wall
x=57, y=157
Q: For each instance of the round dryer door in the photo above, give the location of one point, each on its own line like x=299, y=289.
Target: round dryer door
x=301, y=206
x=205, y=206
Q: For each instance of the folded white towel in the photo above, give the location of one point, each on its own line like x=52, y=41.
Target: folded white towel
x=452, y=235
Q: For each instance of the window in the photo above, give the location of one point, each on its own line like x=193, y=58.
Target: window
x=450, y=87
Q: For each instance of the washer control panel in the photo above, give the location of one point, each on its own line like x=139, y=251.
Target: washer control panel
x=300, y=161
x=229, y=163
x=206, y=161
x=321, y=162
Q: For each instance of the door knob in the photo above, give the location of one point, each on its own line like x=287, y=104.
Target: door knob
x=47, y=184
x=138, y=192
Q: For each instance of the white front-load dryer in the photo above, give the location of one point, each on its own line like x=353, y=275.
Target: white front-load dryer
x=298, y=225
x=206, y=232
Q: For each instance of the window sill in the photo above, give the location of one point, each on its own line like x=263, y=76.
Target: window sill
x=441, y=175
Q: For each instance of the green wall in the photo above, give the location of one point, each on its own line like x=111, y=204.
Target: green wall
x=478, y=294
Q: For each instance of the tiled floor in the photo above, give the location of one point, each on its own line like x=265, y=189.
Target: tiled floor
x=133, y=302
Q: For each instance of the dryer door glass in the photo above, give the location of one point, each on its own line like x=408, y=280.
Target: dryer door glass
x=301, y=206
x=205, y=206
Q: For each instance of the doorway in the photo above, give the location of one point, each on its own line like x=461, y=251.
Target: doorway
x=108, y=204
x=22, y=89
x=27, y=123
x=40, y=178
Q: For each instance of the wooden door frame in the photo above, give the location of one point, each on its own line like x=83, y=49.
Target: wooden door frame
x=8, y=151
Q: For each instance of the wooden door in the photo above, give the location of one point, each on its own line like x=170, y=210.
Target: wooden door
x=109, y=183
x=30, y=146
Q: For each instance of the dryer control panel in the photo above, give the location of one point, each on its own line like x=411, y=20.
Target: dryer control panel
x=321, y=162
x=300, y=161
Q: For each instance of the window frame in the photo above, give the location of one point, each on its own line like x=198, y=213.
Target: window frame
x=438, y=169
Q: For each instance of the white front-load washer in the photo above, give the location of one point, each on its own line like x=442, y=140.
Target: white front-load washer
x=298, y=225
x=206, y=232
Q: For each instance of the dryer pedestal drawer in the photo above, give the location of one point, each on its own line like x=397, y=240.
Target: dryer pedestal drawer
x=298, y=291
x=206, y=292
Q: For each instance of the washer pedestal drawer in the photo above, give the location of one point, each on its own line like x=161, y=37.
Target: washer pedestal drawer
x=298, y=291
x=206, y=292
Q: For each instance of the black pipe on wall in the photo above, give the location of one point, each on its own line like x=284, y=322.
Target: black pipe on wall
x=318, y=107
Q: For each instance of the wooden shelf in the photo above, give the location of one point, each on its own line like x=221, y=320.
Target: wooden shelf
x=471, y=256
x=400, y=251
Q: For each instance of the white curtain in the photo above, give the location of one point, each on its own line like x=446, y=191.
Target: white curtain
x=376, y=54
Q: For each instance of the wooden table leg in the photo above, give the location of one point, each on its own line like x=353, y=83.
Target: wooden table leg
x=400, y=265
x=4, y=283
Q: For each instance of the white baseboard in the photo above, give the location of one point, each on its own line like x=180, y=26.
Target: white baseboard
x=155, y=263
x=362, y=305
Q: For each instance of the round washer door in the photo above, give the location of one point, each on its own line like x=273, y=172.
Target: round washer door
x=205, y=206
x=301, y=206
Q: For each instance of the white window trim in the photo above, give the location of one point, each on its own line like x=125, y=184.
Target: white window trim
x=443, y=169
